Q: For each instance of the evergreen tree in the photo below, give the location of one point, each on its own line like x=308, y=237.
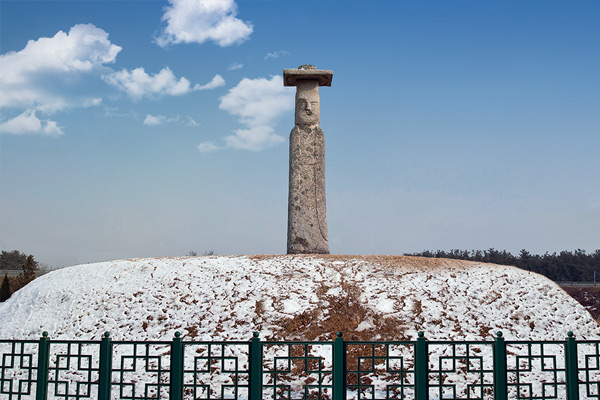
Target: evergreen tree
x=30, y=268
x=12, y=259
x=29, y=272
x=5, y=289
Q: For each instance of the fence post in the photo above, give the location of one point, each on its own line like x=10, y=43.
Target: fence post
x=339, y=368
x=571, y=367
x=176, y=388
x=421, y=367
x=256, y=368
x=105, y=367
x=42, y=368
x=500, y=390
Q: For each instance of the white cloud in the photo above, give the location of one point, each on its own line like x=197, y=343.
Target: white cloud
x=154, y=120
x=42, y=77
x=137, y=83
x=22, y=124
x=207, y=147
x=277, y=54
x=215, y=82
x=92, y=101
x=28, y=78
x=28, y=123
x=83, y=48
x=198, y=21
x=257, y=103
x=51, y=129
x=234, y=66
x=255, y=138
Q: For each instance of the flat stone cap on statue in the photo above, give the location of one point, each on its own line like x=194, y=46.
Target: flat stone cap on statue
x=292, y=76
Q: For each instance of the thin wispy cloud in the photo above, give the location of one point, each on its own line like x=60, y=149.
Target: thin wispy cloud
x=191, y=121
x=91, y=102
x=207, y=147
x=116, y=112
x=277, y=54
x=256, y=103
x=154, y=120
x=199, y=21
x=158, y=119
x=234, y=66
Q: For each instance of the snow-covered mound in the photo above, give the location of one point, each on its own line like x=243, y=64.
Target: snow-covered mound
x=293, y=297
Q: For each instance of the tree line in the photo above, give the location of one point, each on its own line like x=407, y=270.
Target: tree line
x=576, y=266
x=15, y=260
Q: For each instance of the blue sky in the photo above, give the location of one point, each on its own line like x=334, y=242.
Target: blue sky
x=152, y=128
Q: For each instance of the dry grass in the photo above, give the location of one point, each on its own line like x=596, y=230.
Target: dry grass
x=390, y=261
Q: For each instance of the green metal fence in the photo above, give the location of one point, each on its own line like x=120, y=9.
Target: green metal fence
x=48, y=369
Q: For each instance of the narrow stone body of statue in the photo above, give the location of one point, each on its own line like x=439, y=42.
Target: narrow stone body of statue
x=307, y=217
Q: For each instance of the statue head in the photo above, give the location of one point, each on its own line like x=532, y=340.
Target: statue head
x=308, y=109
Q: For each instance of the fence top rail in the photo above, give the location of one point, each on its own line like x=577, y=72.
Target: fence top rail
x=106, y=335
x=523, y=342
x=461, y=342
x=300, y=342
x=18, y=341
x=219, y=342
x=64, y=341
x=129, y=342
x=381, y=342
x=144, y=342
x=597, y=341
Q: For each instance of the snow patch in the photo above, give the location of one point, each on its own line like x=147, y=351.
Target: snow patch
x=290, y=306
x=228, y=298
x=364, y=325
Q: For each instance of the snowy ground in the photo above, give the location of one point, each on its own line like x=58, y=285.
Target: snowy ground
x=293, y=297
x=302, y=298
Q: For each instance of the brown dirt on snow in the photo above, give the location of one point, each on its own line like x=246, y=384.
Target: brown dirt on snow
x=345, y=313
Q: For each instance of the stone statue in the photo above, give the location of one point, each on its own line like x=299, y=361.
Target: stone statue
x=307, y=218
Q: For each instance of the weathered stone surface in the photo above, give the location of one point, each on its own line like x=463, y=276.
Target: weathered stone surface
x=303, y=72
x=307, y=219
x=308, y=110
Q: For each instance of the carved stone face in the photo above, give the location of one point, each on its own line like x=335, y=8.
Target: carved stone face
x=307, y=111
x=307, y=103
